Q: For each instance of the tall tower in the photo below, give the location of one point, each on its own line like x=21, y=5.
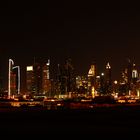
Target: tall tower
x=62, y=80
x=108, y=74
x=37, y=78
x=134, y=74
x=13, y=79
x=108, y=79
x=16, y=72
x=29, y=80
x=91, y=80
x=70, y=77
x=46, y=84
x=66, y=78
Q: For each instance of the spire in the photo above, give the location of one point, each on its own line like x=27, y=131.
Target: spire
x=108, y=66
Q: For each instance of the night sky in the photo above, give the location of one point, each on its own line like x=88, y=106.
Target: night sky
x=86, y=32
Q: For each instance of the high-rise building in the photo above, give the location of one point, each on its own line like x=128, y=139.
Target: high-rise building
x=34, y=79
x=102, y=84
x=108, y=74
x=30, y=80
x=108, y=79
x=134, y=74
x=13, y=79
x=66, y=78
x=46, y=83
x=38, y=79
x=70, y=76
x=91, y=80
x=129, y=79
x=81, y=85
x=16, y=76
x=13, y=83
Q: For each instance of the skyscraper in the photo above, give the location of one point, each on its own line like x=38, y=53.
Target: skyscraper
x=38, y=79
x=91, y=80
x=16, y=74
x=66, y=78
x=13, y=79
x=30, y=80
x=81, y=85
x=108, y=79
x=108, y=74
x=134, y=74
x=46, y=83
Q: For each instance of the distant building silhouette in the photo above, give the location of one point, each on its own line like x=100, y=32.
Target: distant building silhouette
x=66, y=78
x=38, y=79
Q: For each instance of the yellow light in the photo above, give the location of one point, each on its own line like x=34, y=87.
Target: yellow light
x=24, y=96
x=115, y=82
x=121, y=101
x=131, y=101
x=138, y=93
x=29, y=68
x=93, y=92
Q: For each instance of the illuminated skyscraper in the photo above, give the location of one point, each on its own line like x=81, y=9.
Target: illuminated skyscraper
x=102, y=84
x=91, y=80
x=81, y=85
x=129, y=78
x=16, y=74
x=134, y=74
x=30, y=80
x=38, y=79
x=108, y=79
x=108, y=74
x=46, y=83
x=13, y=79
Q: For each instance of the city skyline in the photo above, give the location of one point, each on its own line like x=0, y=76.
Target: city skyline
x=53, y=70
x=101, y=32
x=70, y=68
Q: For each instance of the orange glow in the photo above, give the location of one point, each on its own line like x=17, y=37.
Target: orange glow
x=121, y=101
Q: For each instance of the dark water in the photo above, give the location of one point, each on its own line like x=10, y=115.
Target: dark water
x=113, y=122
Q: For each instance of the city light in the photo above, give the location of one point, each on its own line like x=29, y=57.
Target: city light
x=102, y=74
x=40, y=86
x=115, y=82
x=29, y=68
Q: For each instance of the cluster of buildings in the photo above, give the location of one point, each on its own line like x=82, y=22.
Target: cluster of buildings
x=68, y=85
x=95, y=84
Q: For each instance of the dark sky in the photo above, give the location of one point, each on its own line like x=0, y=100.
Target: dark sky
x=86, y=32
